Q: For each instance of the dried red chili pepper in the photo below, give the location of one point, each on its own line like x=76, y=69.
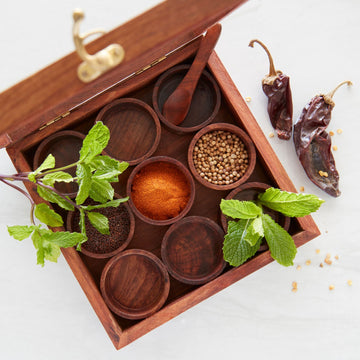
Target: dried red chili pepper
x=313, y=143
x=276, y=86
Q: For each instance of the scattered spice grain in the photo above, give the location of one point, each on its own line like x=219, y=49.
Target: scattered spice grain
x=317, y=251
x=302, y=189
x=349, y=282
x=323, y=173
x=271, y=135
x=220, y=157
x=308, y=262
x=335, y=147
x=331, y=287
x=298, y=267
x=321, y=265
x=160, y=191
x=339, y=131
x=331, y=133
x=294, y=286
x=336, y=257
x=248, y=99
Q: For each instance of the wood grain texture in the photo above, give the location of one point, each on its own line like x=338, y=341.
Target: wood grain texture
x=192, y=250
x=54, y=90
x=136, y=124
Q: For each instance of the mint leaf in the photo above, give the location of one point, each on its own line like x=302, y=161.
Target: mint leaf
x=100, y=222
x=112, y=203
x=281, y=244
x=49, y=163
x=83, y=173
x=95, y=142
x=240, y=209
x=236, y=249
x=21, y=232
x=52, y=197
x=101, y=190
x=51, y=251
x=64, y=238
x=254, y=231
x=109, y=175
x=58, y=176
x=290, y=204
x=37, y=241
x=47, y=215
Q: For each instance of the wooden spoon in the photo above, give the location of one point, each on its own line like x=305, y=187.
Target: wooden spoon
x=178, y=103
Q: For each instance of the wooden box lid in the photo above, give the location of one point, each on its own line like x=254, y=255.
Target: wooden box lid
x=50, y=93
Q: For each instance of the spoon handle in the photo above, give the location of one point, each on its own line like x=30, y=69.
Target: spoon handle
x=207, y=45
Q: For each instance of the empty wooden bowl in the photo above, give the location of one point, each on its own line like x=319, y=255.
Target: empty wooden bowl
x=205, y=102
x=250, y=192
x=161, y=190
x=100, y=246
x=248, y=145
x=192, y=250
x=135, y=284
x=134, y=130
x=65, y=147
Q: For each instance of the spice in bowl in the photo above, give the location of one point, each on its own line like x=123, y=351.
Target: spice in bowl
x=100, y=245
x=160, y=191
x=220, y=157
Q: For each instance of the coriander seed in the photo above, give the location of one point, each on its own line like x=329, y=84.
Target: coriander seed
x=220, y=157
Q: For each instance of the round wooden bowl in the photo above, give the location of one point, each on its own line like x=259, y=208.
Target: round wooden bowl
x=205, y=102
x=134, y=130
x=135, y=284
x=250, y=192
x=243, y=137
x=65, y=147
x=169, y=164
x=192, y=250
x=101, y=246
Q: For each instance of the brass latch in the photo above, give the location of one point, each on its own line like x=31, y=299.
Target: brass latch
x=94, y=65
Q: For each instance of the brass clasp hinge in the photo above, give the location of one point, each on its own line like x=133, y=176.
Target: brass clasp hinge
x=94, y=65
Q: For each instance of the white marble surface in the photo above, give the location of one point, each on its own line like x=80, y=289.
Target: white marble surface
x=44, y=313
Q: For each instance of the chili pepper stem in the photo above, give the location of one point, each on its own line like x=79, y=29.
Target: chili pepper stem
x=328, y=97
x=272, y=71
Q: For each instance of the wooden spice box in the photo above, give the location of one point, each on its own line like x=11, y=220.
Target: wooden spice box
x=59, y=101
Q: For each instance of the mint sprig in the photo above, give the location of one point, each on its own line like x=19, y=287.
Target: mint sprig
x=94, y=175
x=244, y=236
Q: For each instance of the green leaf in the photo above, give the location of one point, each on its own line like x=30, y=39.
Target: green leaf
x=123, y=166
x=240, y=209
x=254, y=231
x=64, y=238
x=49, y=163
x=236, y=249
x=100, y=222
x=101, y=191
x=83, y=173
x=112, y=203
x=58, y=176
x=281, y=244
x=47, y=215
x=95, y=142
x=82, y=229
x=51, y=251
x=52, y=197
x=37, y=241
x=109, y=175
x=290, y=204
x=21, y=232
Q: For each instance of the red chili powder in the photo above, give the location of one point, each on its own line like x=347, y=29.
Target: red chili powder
x=160, y=191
